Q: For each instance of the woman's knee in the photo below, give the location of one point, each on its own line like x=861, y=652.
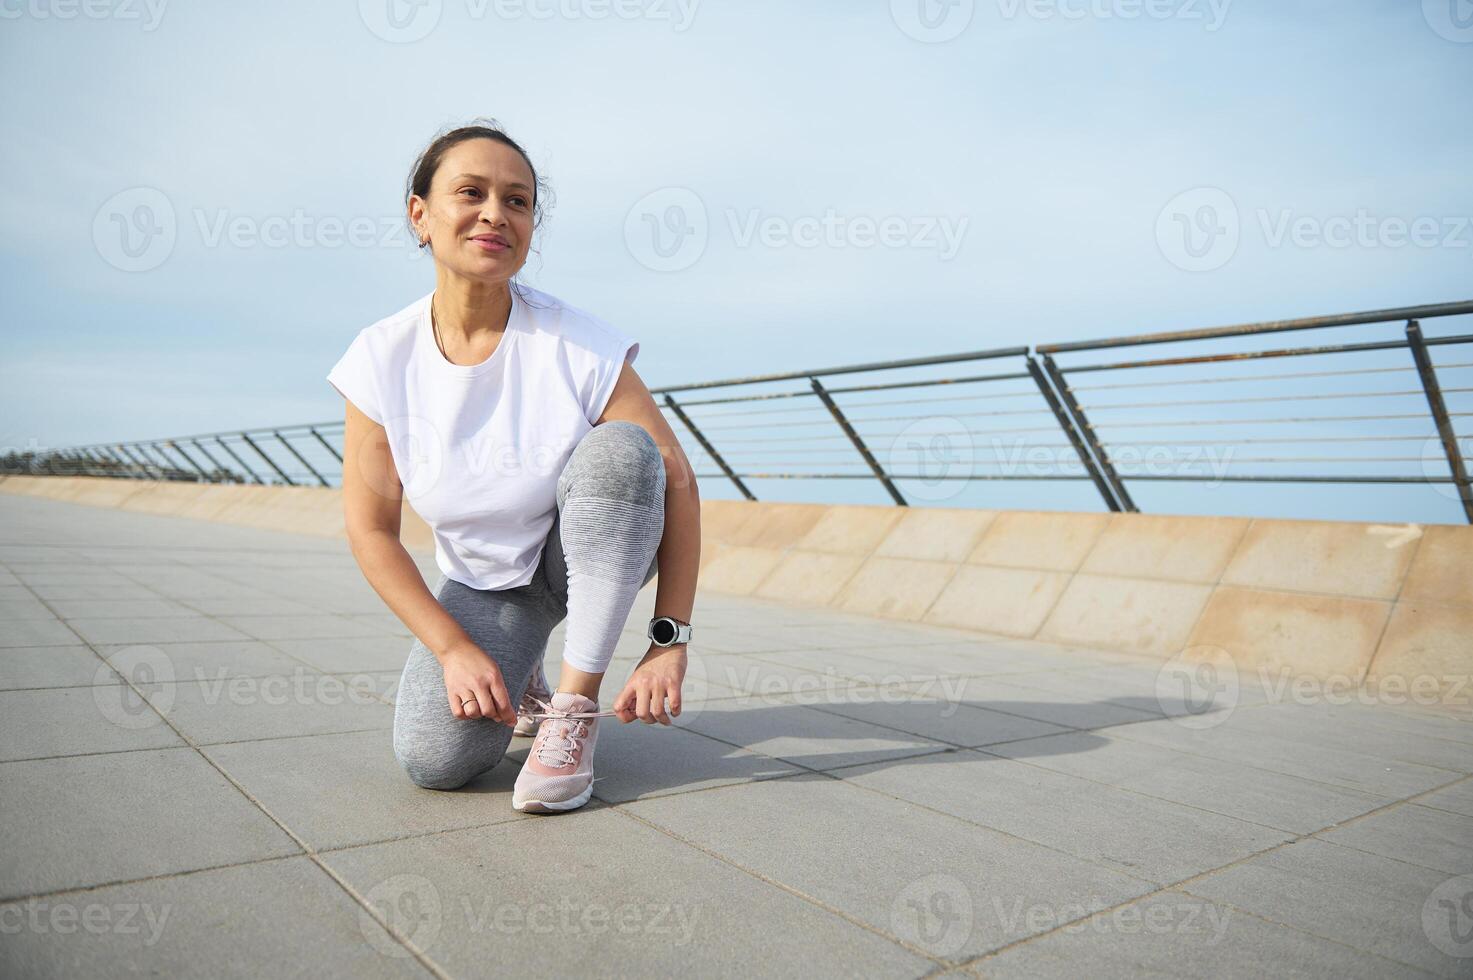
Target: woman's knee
x=616, y=460
x=445, y=766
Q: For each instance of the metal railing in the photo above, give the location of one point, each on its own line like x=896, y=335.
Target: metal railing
x=736, y=429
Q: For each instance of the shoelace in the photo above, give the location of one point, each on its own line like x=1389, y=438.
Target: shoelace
x=555, y=748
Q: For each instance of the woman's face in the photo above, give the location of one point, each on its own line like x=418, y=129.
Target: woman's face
x=481, y=192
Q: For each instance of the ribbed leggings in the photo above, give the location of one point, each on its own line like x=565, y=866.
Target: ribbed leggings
x=600, y=552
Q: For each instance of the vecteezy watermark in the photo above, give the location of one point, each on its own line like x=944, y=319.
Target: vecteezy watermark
x=665, y=923
x=1447, y=917
x=1438, y=469
x=669, y=229
x=1339, y=689
x=937, y=456
x=151, y=684
x=137, y=229
x=406, y=21
x=934, y=914
x=1179, y=918
x=1451, y=19
x=408, y=906
x=932, y=21
x=145, y=692
x=43, y=916
x=1199, y=687
x=829, y=687
x=148, y=13
x=1200, y=230
x=1212, y=13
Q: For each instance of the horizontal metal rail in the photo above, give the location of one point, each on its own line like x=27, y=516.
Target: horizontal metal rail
x=773, y=426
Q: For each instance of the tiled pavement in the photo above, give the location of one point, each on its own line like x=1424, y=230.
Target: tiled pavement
x=841, y=796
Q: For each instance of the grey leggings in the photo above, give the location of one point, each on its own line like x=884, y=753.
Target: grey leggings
x=599, y=553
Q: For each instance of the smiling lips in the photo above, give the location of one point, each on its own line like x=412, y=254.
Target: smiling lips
x=491, y=243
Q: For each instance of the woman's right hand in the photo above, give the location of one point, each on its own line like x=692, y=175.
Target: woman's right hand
x=474, y=684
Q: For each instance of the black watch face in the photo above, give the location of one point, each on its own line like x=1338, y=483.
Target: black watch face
x=664, y=631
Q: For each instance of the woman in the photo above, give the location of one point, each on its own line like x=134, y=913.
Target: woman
x=517, y=428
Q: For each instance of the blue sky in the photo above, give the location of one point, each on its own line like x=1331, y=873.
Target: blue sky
x=1052, y=139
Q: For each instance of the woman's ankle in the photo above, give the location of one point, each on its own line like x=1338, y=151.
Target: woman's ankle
x=575, y=681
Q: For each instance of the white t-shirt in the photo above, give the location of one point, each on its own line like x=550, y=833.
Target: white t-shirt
x=479, y=448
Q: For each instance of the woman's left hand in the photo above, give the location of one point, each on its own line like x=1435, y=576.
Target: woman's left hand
x=657, y=677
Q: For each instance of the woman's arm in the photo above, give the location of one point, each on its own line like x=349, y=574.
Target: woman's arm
x=662, y=671
x=372, y=504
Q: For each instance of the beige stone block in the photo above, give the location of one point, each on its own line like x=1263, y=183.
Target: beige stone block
x=809, y=577
x=1310, y=635
x=895, y=588
x=1136, y=615
x=1053, y=541
x=104, y=491
x=166, y=499
x=721, y=520
x=1011, y=601
x=850, y=529
x=1326, y=557
x=1442, y=569
x=215, y=501
x=735, y=569
x=1172, y=548
x=777, y=526
x=1427, y=645
x=935, y=534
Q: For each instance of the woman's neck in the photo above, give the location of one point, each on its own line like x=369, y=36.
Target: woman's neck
x=469, y=312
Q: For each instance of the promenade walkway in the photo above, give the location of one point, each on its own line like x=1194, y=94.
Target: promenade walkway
x=196, y=779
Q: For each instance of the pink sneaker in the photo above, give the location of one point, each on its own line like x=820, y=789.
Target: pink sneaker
x=535, y=697
x=558, y=773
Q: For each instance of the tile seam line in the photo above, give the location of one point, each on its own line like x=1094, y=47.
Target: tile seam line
x=798, y=893
x=1420, y=765
x=1184, y=885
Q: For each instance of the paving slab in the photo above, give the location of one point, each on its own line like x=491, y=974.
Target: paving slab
x=527, y=897
x=301, y=924
x=99, y=819
x=1162, y=841
x=1362, y=900
x=1174, y=934
x=920, y=876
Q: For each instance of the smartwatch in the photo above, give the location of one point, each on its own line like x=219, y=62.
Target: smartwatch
x=668, y=631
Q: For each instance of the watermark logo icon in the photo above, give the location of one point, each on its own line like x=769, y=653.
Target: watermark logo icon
x=934, y=913
x=937, y=455
x=1447, y=916
x=1436, y=467
x=667, y=230
x=1198, y=688
x=143, y=696
x=410, y=905
x=400, y=21
x=932, y=21
x=1199, y=230
x=1451, y=19
x=135, y=229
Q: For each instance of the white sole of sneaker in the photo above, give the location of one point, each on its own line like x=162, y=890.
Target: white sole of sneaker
x=538, y=806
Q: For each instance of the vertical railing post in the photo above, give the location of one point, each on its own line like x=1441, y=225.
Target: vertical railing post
x=710, y=449
x=1440, y=418
x=213, y=461
x=270, y=462
x=874, y=465
x=325, y=444
x=205, y=477
x=300, y=458
x=1087, y=432
x=243, y=464
x=1070, y=431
